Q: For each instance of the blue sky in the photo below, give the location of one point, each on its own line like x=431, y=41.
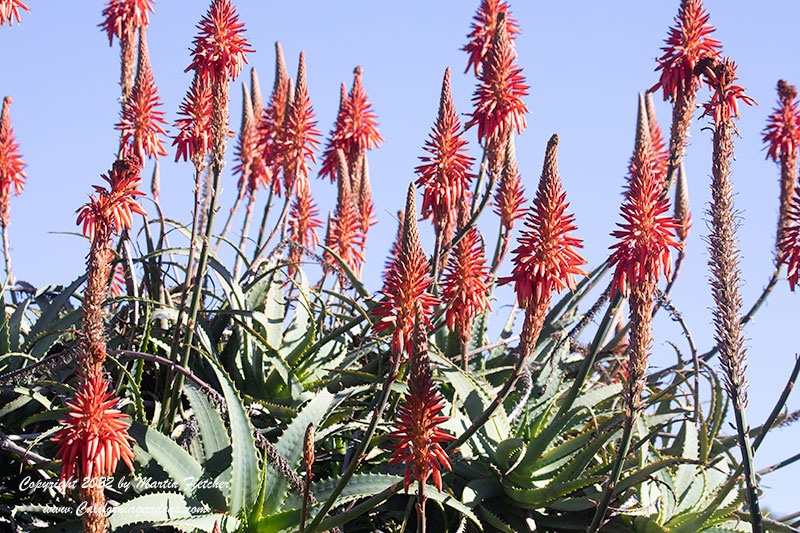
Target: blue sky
x=585, y=63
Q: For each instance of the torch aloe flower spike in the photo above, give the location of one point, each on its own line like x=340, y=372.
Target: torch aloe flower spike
x=483, y=28
x=346, y=237
x=406, y=285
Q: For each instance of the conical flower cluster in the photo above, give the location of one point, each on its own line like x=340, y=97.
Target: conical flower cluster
x=355, y=130
x=483, y=28
x=194, y=126
x=271, y=121
x=220, y=49
x=142, y=122
x=406, y=287
x=344, y=231
x=303, y=223
x=509, y=198
x=418, y=417
x=546, y=259
x=12, y=173
x=445, y=174
x=249, y=165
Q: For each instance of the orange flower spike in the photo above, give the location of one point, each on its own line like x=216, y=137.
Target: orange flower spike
x=466, y=284
x=194, y=137
x=303, y=223
x=346, y=238
x=416, y=429
x=12, y=173
x=406, y=285
x=366, y=207
x=394, y=251
x=789, y=243
x=270, y=123
x=509, y=197
x=141, y=123
x=9, y=9
x=110, y=211
x=444, y=174
x=498, y=97
x=658, y=144
x=220, y=49
x=359, y=124
x=646, y=234
x=782, y=133
x=95, y=433
x=121, y=16
x=249, y=163
x=483, y=28
x=335, y=140
x=297, y=140
x=687, y=44
x=546, y=259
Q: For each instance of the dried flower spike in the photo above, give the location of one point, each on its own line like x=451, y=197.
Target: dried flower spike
x=444, y=175
x=724, y=103
x=12, y=173
x=418, y=419
x=9, y=9
x=220, y=49
x=406, y=286
x=483, y=28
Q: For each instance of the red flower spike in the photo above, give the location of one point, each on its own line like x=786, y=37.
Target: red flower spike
x=297, y=140
x=95, y=436
x=789, y=243
x=9, y=9
x=688, y=43
x=12, y=173
x=355, y=130
x=122, y=16
x=782, y=133
x=271, y=122
x=646, y=234
x=346, y=238
x=366, y=207
x=498, y=97
x=194, y=139
x=509, y=197
x=249, y=165
x=724, y=103
x=111, y=210
x=220, y=47
x=406, y=285
x=546, y=259
x=483, y=28
x=417, y=420
x=141, y=122
x=466, y=284
x=445, y=174
x=303, y=223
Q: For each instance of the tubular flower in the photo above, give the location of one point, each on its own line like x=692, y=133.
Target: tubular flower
x=445, y=174
x=483, y=27
x=418, y=417
x=546, y=259
x=346, y=238
x=687, y=44
x=220, y=48
x=355, y=130
x=11, y=164
x=303, y=223
x=111, y=210
x=297, y=140
x=406, y=285
x=141, y=121
x=271, y=121
x=95, y=436
x=509, y=197
x=724, y=103
x=122, y=16
x=194, y=137
x=789, y=244
x=10, y=9
x=466, y=284
x=249, y=164
x=498, y=97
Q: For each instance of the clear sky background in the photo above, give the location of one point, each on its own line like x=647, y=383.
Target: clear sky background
x=585, y=62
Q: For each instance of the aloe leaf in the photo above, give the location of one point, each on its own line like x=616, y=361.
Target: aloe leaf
x=532, y=498
x=213, y=436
